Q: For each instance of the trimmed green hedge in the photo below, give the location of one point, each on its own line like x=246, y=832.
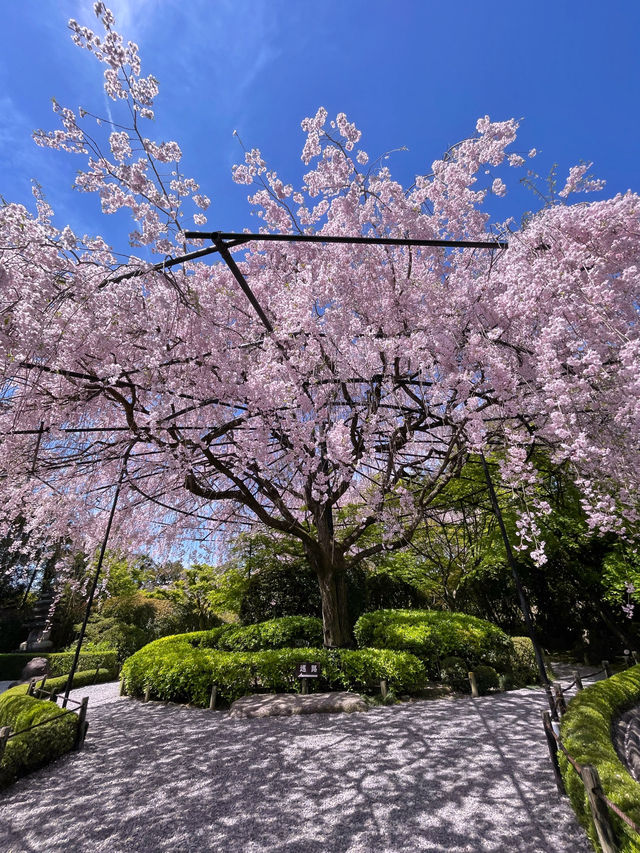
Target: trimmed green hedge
x=523, y=667
x=285, y=632
x=586, y=732
x=11, y=665
x=183, y=668
x=35, y=748
x=80, y=679
x=433, y=635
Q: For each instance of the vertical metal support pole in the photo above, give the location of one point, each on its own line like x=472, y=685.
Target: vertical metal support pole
x=96, y=577
x=524, y=604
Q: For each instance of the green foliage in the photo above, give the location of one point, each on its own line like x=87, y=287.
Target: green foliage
x=455, y=672
x=191, y=601
x=288, y=631
x=433, y=635
x=586, y=732
x=486, y=678
x=11, y=665
x=523, y=669
x=80, y=679
x=35, y=748
x=184, y=668
x=276, y=591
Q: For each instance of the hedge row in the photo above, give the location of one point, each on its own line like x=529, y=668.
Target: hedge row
x=35, y=748
x=285, y=632
x=586, y=732
x=434, y=635
x=11, y=665
x=184, y=668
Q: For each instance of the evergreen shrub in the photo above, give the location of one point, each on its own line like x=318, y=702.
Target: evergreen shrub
x=523, y=668
x=39, y=746
x=183, y=668
x=586, y=733
x=433, y=635
x=288, y=631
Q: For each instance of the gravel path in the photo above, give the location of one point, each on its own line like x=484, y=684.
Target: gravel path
x=443, y=775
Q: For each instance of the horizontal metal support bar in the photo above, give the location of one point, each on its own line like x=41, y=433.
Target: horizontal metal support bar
x=217, y=236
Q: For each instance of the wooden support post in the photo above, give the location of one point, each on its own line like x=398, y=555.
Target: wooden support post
x=41, y=687
x=383, y=688
x=214, y=696
x=95, y=677
x=561, y=705
x=305, y=686
x=5, y=731
x=31, y=687
x=147, y=691
x=553, y=750
x=607, y=668
x=578, y=680
x=82, y=723
x=599, y=810
x=122, y=690
x=474, y=685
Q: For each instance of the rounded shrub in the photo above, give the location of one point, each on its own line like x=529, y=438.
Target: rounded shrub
x=486, y=678
x=433, y=635
x=455, y=673
x=288, y=631
x=184, y=668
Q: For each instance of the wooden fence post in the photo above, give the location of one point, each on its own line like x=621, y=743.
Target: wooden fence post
x=599, y=811
x=31, y=687
x=82, y=723
x=561, y=705
x=383, y=688
x=607, y=668
x=474, y=685
x=578, y=680
x=147, y=692
x=214, y=696
x=553, y=750
x=5, y=731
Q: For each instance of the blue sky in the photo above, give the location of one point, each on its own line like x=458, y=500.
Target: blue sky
x=413, y=73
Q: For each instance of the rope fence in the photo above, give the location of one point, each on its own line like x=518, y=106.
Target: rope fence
x=81, y=711
x=599, y=803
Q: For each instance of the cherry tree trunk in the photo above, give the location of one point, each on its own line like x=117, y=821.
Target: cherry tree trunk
x=333, y=596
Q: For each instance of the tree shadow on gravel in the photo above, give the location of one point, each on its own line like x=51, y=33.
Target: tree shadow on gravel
x=463, y=775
